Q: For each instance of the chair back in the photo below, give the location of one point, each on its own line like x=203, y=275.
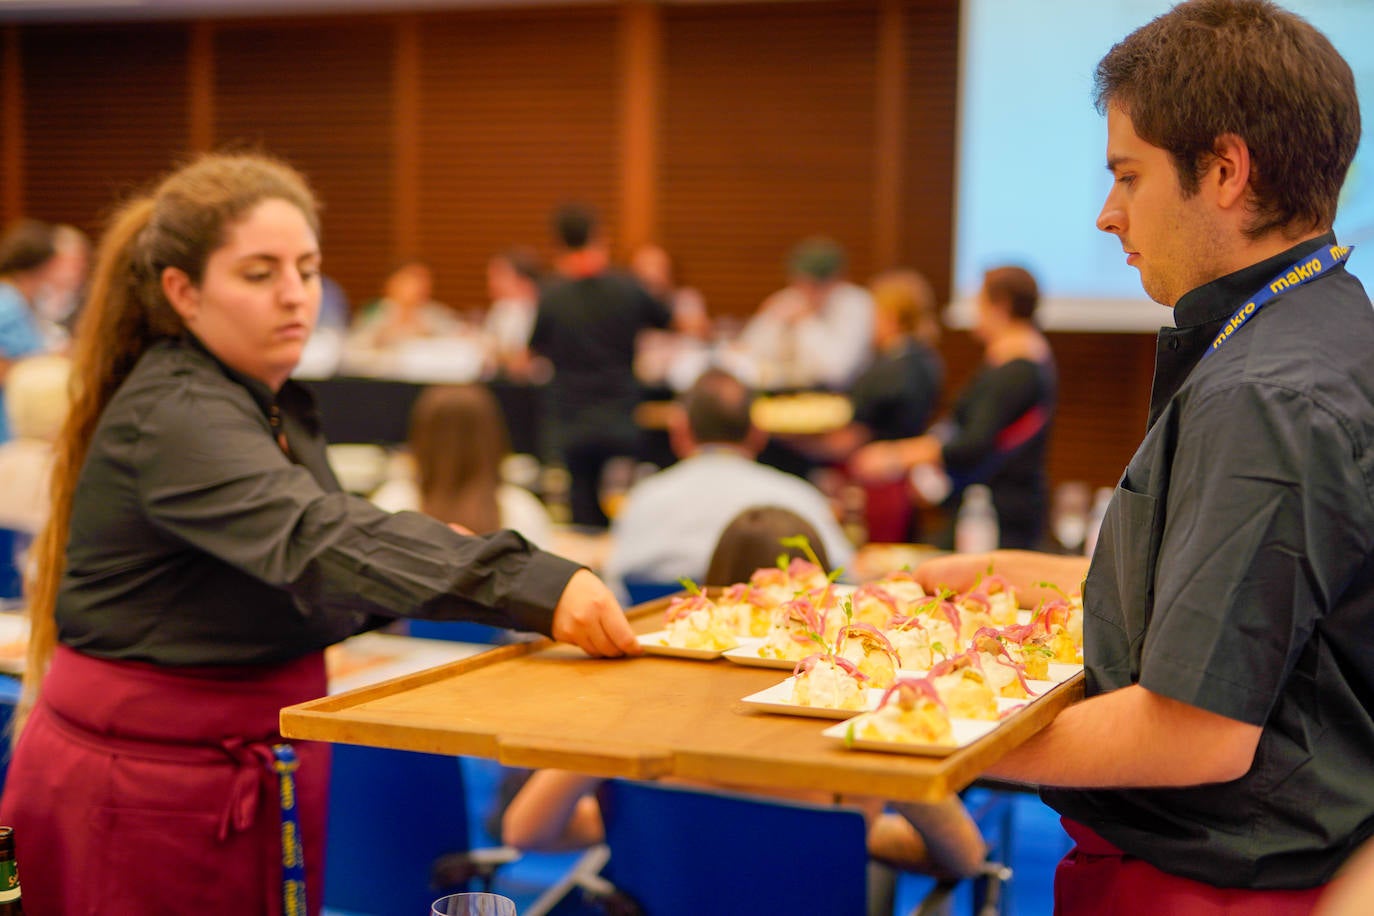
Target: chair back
x=457, y=631
x=641, y=591
x=683, y=851
x=391, y=814
x=9, y=699
x=14, y=546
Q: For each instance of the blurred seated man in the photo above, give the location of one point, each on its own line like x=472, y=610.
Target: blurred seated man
x=670, y=521
x=406, y=311
x=817, y=331
x=513, y=278
x=36, y=404
x=27, y=254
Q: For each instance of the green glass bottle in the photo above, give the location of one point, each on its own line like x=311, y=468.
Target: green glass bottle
x=10, y=904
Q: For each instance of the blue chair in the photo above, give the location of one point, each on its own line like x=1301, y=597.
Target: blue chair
x=682, y=852
x=457, y=631
x=391, y=814
x=13, y=547
x=642, y=590
x=9, y=699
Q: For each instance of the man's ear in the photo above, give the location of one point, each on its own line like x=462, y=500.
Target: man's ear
x=1229, y=170
x=181, y=293
x=756, y=441
x=680, y=437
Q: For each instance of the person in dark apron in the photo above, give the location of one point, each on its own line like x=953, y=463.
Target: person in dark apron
x=199, y=558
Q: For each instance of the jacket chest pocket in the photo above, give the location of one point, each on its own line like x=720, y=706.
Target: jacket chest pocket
x=1119, y=594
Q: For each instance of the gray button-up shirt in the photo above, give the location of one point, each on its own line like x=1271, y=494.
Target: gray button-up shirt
x=196, y=540
x=1235, y=573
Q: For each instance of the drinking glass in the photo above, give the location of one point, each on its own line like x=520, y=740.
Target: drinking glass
x=473, y=905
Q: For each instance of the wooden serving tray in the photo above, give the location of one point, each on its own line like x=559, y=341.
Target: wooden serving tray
x=546, y=704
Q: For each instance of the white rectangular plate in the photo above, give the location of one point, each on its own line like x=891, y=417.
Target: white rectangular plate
x=1059, y=672
x=966, y=731
x=778, y=698
x=656, y=643
x=748, y=654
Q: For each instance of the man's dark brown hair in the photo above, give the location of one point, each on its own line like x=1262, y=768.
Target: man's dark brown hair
x=717, y=407
x=1250, y=68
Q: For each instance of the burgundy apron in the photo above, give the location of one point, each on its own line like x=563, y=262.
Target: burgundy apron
x=140, y=789
x=1097, y=879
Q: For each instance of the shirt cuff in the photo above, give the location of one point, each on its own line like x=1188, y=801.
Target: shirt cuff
x=537, y=590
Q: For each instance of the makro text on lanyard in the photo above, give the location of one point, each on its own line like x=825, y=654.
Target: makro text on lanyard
x=1308, y=268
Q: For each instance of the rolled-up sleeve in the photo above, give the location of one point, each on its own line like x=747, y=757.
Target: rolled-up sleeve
x=210, y=476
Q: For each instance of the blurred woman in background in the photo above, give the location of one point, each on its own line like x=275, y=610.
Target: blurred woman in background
x=753, y=540
x=458, y=442
x=998, y=432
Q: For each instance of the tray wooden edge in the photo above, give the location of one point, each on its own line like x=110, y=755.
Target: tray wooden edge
x=296, y=720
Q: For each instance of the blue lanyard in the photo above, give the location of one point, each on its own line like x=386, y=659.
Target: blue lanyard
x=1296, y=274
x=292, y=855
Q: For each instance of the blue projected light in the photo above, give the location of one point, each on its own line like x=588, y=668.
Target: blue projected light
x=1031, y=163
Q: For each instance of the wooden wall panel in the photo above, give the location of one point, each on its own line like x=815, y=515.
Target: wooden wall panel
x=932, y=105
x=11, y=127
x=768, y=131
x=105, y=110
x=518, y=113
x=1104, y=401
x=318, y=93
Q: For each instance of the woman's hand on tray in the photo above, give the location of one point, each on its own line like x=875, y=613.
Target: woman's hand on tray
x=589, y=617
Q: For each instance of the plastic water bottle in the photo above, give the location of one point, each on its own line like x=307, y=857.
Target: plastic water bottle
x=975, y=527
x=1101, y=498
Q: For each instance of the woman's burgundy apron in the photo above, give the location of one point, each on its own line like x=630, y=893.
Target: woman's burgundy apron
x=140, y=789
x=1097, y=879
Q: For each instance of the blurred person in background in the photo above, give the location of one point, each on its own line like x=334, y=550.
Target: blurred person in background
x=28, y=251
x=513, y=279
x=58, y=300
x=37, y=397
x=405, y=311
x=458, y=441
x=753, y=540
x=894, y=398
x=671, y=520
x=670, y=358
x=587, y=325
x=818, y=330
x=998, y=431
x=199, y=557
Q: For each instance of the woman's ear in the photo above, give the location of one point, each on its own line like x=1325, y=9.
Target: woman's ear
x=181, y=293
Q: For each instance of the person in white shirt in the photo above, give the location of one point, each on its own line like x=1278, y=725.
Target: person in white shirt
x=670, y=521
x=817, y=331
